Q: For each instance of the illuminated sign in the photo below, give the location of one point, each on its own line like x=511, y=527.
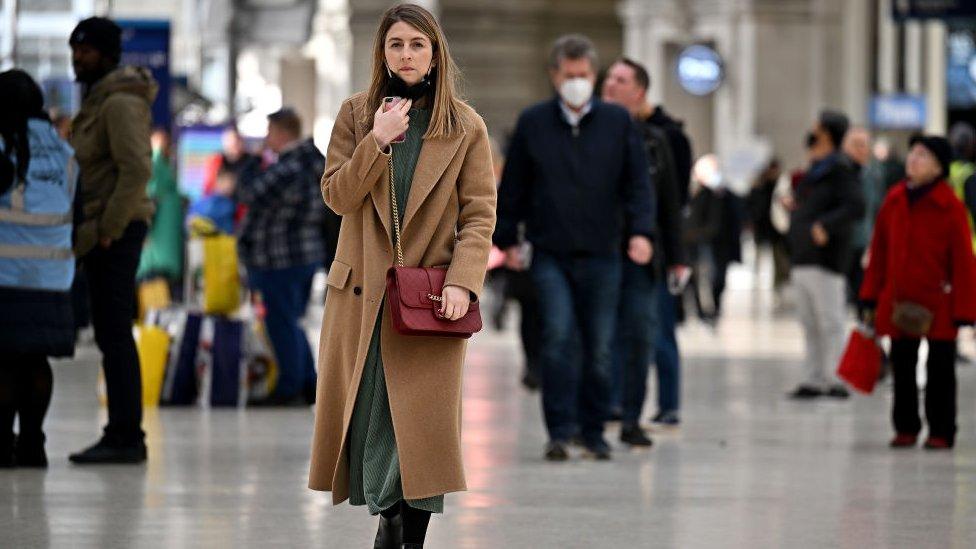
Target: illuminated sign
x=897, y=112
x=700, y=70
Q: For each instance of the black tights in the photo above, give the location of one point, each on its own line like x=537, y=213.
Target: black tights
x=940, y=389
x=415, y=521
x=26, y=382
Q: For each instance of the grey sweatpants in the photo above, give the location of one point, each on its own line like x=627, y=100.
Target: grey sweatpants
x=821, y=309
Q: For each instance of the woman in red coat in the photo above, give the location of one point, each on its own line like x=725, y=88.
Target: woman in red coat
x=921, y=281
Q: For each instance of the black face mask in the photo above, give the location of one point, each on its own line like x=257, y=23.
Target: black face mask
x=811, y=140
x=398, y=88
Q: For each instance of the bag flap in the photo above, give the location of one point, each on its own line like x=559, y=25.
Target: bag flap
x=416, y=284
x=338, y=275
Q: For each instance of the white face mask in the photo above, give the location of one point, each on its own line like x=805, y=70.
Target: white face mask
x=576, y=91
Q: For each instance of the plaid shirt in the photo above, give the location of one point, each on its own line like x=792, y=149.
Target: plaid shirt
x=285, y=218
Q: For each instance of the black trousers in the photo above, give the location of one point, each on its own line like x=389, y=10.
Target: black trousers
x=940, y=391
x=25, y=392
x=112, y=288
x=520, y=287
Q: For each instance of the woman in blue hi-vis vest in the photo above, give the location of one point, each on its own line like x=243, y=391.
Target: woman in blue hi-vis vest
x=37, y=188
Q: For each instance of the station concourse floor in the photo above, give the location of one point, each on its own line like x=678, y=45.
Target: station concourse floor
x=747, y=468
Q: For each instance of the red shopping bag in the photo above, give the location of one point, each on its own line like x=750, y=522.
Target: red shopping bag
x=861, y=363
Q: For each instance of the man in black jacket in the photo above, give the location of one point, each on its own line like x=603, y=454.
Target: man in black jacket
x=626, y=84
x=829, y=202
x=577, y=174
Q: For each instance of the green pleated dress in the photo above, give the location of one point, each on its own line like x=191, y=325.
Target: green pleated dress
x=374, y=465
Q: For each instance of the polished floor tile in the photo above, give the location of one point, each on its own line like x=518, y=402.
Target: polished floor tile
x=748, y=468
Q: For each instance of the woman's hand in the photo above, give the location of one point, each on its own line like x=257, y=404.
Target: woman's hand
x=455, y=304
x=388, y=125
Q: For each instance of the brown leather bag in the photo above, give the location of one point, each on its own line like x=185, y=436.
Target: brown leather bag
x=913, y=319
x=414, y=294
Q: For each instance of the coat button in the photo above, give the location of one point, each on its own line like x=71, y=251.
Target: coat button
x=357, y=290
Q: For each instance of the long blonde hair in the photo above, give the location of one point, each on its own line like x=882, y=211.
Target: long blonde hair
x=445, y=119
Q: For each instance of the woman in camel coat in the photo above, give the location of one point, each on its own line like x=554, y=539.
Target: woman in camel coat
x=388, y=411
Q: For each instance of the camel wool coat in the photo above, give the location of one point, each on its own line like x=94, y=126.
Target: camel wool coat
x=449, y=219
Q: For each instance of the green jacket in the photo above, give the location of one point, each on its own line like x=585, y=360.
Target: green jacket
x=163, y=252
x=110, y=136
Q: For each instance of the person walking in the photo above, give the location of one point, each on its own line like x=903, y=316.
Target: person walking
x=828, y=202
x=962, y=170
x=162, y=254
x=38, y=178
x=388, y=413
x=857, y=148
x=626, y=84
x=919, y=284
x=233, y=158
x=577, y=174
x=667, y=356
x=110, y=136
x=281, y=245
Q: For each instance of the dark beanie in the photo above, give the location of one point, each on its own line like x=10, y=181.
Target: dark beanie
x=100, y=33
x=938, y=146
x=836, y=124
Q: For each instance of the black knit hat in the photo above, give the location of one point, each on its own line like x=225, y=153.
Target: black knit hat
x=938, y=146
x=836, y=124
x=100, y=33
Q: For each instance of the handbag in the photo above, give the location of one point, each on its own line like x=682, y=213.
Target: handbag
x=414, y=294
x=152, y=346
x=860, y=365
x=913, y=319
x=221, y=280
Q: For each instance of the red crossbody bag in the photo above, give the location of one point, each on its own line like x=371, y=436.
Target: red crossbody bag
x=414, y=294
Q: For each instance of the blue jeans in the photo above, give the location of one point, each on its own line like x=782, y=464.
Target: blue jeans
x=286, y=293
x=667, y=357
x=637, y=327
x=578, y=298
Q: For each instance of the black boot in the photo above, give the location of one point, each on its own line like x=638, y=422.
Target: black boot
x=389, y=535
x=415, y=523
x=6, y=450
x=8, y=411
x=36, y=382
x=29, y=451
x=108, y=450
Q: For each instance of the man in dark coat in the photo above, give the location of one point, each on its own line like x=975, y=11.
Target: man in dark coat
x=829, y=202
x=577, y=174
x=626, y=84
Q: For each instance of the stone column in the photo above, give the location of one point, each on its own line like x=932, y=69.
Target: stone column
x=856, y=46
x=887, y=53
x=913, y=57
x=935, y=77
x=497, y=46
x=331, y=48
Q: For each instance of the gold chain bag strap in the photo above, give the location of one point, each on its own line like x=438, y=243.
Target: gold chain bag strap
x=414, y=294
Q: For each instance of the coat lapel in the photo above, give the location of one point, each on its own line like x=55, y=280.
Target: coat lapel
x=435, y=156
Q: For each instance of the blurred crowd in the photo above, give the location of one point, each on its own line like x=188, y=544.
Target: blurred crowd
x=611, y=232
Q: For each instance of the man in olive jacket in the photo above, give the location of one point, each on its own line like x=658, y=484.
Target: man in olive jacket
x=110, y=136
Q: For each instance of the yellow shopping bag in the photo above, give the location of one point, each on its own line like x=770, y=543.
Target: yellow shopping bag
x=221, y=281
x=153, y=346
x=153, y=295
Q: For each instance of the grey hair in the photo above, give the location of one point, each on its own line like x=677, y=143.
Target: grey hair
x=572, y=46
